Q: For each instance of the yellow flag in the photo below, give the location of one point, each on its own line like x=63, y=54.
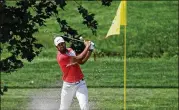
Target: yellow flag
x=120, y=19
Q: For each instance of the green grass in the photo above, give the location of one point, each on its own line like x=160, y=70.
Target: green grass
x=137, y=99
x=103, y=72
x=15, y=99
x=151, y=83
x=104, y=99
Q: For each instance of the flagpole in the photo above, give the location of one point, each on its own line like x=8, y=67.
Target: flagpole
x=125, y=67
x=120, y=19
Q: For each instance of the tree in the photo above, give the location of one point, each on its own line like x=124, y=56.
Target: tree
x=18, y=24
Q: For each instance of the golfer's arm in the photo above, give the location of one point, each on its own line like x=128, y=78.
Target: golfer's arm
x=85, y=58
x=82, y=55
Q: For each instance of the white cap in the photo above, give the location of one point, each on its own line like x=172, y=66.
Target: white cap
x=58, y=40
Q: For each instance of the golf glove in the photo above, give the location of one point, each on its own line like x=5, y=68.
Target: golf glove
x=92, y=46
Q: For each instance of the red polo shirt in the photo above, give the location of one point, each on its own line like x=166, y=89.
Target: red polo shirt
x=71, y=73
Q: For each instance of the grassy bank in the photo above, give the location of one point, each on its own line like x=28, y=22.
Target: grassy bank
x=152, y=28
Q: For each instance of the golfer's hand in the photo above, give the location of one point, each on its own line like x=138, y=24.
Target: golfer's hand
x=87, y=43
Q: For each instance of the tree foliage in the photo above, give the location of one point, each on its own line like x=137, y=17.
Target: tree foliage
x=19, y=23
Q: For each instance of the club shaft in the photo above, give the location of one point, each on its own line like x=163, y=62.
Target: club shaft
x=74, y=39
x=70, y=38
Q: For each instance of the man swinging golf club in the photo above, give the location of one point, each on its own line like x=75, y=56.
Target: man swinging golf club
x=73, y=78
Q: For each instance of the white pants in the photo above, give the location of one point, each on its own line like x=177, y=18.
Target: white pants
x=69, y=90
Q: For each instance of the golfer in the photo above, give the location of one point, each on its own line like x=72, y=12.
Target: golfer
x=73, y=78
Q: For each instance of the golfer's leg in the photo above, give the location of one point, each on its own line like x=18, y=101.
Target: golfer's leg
x=67, y=95
x=82, y=96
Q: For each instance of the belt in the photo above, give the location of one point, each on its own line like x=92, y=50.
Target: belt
x=78, y=81
x=75, y=82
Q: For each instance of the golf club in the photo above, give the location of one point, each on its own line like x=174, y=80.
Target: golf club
x=81, y=38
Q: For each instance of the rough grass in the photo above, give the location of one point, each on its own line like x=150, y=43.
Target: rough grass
x=103, y=72
x=151, y=83
x=99, y=98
